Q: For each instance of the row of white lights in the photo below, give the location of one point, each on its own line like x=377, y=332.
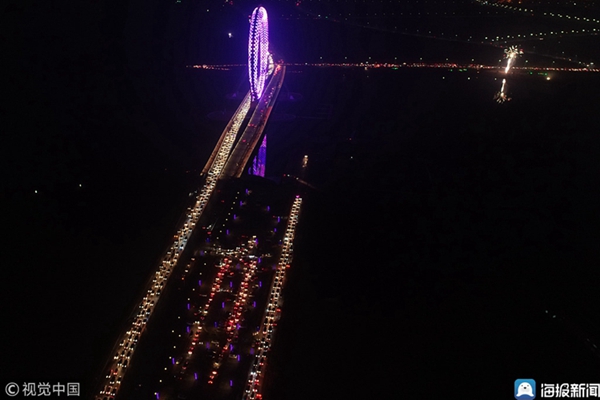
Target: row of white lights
x=170, y=259
x=254, y=382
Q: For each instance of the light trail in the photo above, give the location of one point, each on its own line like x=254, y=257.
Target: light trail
x=249, y=139
x=501, y=96
x=239, y=306
x=266, y=332
x=531, y=12
x=118, y=367
x=404, y=65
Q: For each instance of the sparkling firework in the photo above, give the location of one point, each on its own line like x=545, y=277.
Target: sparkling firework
x=511, y=53
x=501, y=96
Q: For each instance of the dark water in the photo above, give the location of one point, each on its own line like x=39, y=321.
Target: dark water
x=451, y=230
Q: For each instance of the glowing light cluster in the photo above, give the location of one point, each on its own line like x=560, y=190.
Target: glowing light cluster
x=511, y=53
x=258, y=51
x=258, y=165
x=266, y=332
x=118, y=367
x=587, y=68
x=501, y=96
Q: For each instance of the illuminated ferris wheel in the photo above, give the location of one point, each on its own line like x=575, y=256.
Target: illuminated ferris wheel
x=259, y=58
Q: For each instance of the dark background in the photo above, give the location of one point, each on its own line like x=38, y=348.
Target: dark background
x=443, y=237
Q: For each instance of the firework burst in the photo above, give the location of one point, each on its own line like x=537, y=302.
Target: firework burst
x=511, y=53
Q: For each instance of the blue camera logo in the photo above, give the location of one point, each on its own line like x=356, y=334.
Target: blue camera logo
x=524, y=389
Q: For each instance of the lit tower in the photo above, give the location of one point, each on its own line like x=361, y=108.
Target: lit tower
x=258, y=51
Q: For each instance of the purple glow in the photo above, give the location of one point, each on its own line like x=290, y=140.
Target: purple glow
x=258, y=165
x=252, y=350
x=254, y=303
x=157, y=396
x=173, y=360
x=207, y=345
x=227, y=231
x=230, y=383
x=188, y=329
x=199, y=282
x=223, y=305
x=238, y=357
x=188, y=306
x=258, y=51
x=230, y=284
x=195, y=375
x=259, y=283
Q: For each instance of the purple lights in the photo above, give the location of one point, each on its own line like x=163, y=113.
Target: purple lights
x=259, y=162
x=258, y=51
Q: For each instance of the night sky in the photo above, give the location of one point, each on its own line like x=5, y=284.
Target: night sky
x=445, y=232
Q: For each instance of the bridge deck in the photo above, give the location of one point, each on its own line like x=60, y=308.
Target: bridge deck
x=250, y=137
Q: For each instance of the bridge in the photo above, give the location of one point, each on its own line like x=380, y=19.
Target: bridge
x=261, y=70
x=266, y=79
